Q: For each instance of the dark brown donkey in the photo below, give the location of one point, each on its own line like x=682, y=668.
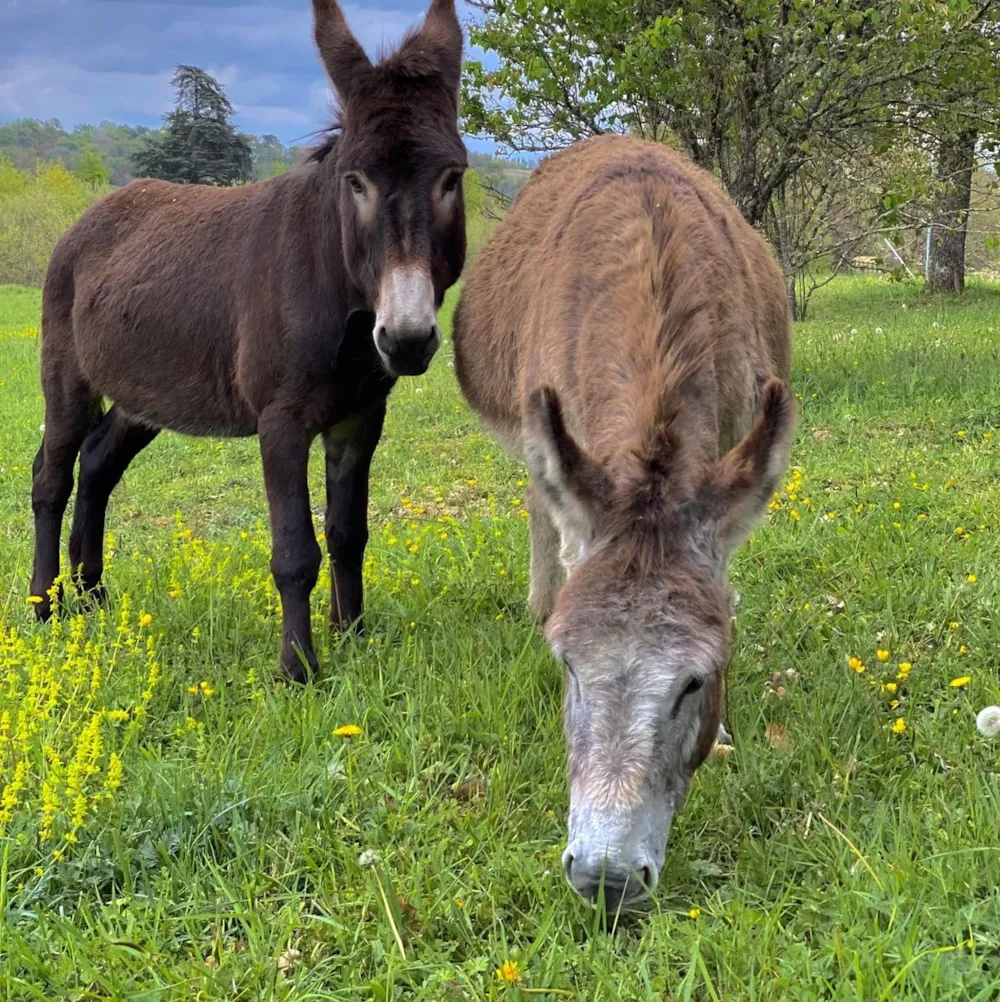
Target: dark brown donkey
x=284, y=309
x=626, y=333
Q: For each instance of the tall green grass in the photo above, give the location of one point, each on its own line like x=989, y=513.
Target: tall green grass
x=830, y=857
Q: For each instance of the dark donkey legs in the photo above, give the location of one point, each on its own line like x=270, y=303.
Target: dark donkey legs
x=349, y=449
x=69, y=414
x=105, y=456
x=295, y=554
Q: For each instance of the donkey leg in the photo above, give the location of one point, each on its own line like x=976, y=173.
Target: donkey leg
x=104, y=457
x=69, y=414
x=295, y=554
x=547, y=572
x=349, y=450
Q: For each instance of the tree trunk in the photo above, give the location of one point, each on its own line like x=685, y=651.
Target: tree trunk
x=945, y=269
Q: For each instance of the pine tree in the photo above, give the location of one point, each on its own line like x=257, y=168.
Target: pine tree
x=199, y=144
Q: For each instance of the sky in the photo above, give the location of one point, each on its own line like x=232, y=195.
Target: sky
x=94, y=60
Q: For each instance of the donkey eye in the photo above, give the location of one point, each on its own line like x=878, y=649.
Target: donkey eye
x=355, y=182
x=451, y=182
x=694, y=685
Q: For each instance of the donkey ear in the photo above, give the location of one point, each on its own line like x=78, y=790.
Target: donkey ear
x=437, y=46
x=345, y=60
x=737, y=491
x=575, y=488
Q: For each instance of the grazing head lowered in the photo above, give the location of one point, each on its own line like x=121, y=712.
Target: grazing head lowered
x=642, y=627
x=625, y=332
x=397, y=163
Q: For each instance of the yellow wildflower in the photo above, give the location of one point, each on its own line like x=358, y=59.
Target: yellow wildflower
x=855, y=665
x=114, y=777
x=896, y=505
x=971, y=579
x=890, y=687
x=509, y=973
x=145, y=619
x=899, y=726
x=954, y=625
x=348, y=731
x=904, y=669
x=959, y=530
x=694, y=913
x=961, y=682
x=960, y=433
x=882, y=655
x=33, y=599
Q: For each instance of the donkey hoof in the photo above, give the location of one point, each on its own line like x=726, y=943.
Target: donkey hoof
x=724, y=737
x=93, y=597
x=294, y=673
x=44, y=605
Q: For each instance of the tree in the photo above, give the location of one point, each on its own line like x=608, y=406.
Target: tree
x=199, y=144
x=755, y=91
x=270, y=157
x=962, y=119
x=93, y=169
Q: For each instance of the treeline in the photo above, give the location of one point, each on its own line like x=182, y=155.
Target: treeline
x=27, y=142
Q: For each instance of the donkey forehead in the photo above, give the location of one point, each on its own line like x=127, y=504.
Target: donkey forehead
x=402, y=131
x=648, y=659
x=674, y=611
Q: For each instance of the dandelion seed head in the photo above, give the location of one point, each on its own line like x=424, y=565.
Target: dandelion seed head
x=988, y=721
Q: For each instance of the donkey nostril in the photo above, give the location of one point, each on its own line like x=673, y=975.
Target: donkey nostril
x=568, y=866
x=646, y=876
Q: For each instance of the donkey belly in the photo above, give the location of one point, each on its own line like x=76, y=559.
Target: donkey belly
x=168, y=375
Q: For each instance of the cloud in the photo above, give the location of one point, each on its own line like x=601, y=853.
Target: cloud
x=93, y=60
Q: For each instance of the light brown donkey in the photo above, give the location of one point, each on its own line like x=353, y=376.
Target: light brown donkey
x=626, y=333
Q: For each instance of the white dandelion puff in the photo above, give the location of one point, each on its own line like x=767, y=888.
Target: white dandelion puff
x=878, y=330
x=988, y=721
x=368, y=859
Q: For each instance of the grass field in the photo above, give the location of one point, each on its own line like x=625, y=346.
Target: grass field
x=176, y=827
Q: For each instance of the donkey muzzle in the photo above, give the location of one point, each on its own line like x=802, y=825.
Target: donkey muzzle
x=406, y=332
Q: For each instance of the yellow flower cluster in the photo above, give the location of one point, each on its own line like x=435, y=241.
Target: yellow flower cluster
x=62, y=724
x=790, y=496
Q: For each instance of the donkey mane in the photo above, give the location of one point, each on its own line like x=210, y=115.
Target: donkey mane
x=660, y=471
x=328, y=141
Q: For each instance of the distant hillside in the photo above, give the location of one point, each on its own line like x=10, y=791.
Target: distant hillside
x=27, y=141
x=506, y=176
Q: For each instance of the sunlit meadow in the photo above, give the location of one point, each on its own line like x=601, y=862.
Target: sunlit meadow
x=174, y=826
